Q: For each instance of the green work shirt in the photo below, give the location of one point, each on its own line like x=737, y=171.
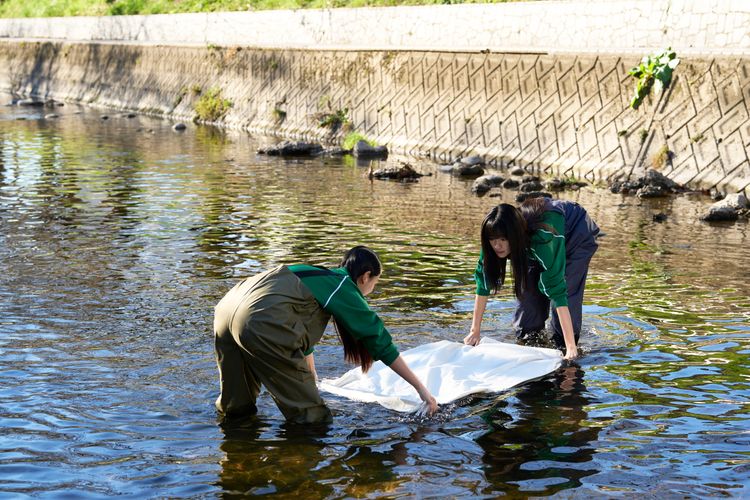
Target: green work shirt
x=548, y=249
x=339, y=296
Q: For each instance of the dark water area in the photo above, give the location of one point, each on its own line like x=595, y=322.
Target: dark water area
x=118, y=236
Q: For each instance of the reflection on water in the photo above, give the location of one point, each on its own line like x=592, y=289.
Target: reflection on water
x=117, y=237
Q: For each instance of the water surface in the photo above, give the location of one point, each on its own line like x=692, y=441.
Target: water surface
x=118, y=236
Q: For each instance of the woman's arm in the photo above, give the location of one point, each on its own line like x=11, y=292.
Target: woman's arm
x=311, y=365
x=563, y=314
x=402, y=370
x=480, y=304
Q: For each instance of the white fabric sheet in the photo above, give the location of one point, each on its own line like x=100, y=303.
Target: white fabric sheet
x=450, y=371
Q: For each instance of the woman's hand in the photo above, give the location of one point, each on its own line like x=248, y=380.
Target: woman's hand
x=429, y=400
x=571, y=352
x=472, y=338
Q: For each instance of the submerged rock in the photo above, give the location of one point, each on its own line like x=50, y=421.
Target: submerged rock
x=511, y=184
x=651, y=185
x=521, y=197
x=29, y=102
x=179, y=126
x=364, y=150
x=472, y=161
x=402, y=172
x=287, y=148
x=532, y=186
x=728, y=209
x=485, y=183
x=464, y=170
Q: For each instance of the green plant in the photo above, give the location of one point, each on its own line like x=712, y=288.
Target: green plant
x=661, y=157
x=642, y=135
x=179, y=97
x=353, y=138
x=197, y=90
x=655, y=70
x=212, y=106
x=697, y=138
x=621, y=133
x=279, y=114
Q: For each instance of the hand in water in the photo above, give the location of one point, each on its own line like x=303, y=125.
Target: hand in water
x=572, y=353
x=429, y=406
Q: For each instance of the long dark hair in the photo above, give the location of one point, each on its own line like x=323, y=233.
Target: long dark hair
x=533, y=210
x=505, y=221
x=357, y=262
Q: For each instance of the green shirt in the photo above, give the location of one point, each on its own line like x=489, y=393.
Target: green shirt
x=339, y=296
x=548, y=249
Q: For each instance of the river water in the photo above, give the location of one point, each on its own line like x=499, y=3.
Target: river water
x=118, y=236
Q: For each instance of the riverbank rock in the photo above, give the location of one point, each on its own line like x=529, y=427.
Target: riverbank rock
x=485, y=183
x=653, y=184
x=403, y=172
x=521, y=197
x=364, y=150
x=29, y=102
x=729, y=209
x=287, y=148
x=531, y=185
x=511, y=184
x=557, y=184
x=472, y=166
x=51, y=116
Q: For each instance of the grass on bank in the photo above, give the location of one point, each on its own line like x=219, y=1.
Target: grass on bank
x=63, y=8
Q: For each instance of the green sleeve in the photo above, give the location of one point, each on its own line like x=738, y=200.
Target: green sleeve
x=349, y=307
x=479, y=277
x=548, y=249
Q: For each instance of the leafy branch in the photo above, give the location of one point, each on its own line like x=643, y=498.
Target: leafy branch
x=655, y=70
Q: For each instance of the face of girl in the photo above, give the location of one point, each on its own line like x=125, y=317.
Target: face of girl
x=366, y=283
x=501, y=247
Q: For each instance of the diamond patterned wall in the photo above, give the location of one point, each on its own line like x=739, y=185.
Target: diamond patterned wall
x=552, y=114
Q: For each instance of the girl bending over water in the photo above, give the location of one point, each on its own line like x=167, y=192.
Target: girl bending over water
x=266, y=327
x=550, y=244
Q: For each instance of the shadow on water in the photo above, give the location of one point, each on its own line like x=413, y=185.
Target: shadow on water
x=540, y=442
x=118, y=236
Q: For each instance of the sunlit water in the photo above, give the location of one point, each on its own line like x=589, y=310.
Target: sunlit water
x=118, y=236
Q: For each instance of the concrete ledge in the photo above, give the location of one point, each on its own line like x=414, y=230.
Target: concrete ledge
x=706, y=27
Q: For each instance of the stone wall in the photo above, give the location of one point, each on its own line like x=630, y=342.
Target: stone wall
x=562, y=115
x=696, y=27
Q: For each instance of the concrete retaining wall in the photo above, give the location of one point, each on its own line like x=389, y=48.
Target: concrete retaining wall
x=562, y=114
x=578, y=26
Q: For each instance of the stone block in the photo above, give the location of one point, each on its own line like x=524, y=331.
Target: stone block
x=731, y=121
x=586, y=138
x=732, y=152
x=566, y=134
x=567, y=85
x=729, y=93
x=607, y=140
x=609, y=87
x=588, y=87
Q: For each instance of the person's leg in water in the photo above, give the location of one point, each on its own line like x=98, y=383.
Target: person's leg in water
x=239, y=385
x=531, y=311
x=576, y=271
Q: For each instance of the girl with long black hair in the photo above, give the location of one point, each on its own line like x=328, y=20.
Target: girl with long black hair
x=549, y=244
x=265, y=329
